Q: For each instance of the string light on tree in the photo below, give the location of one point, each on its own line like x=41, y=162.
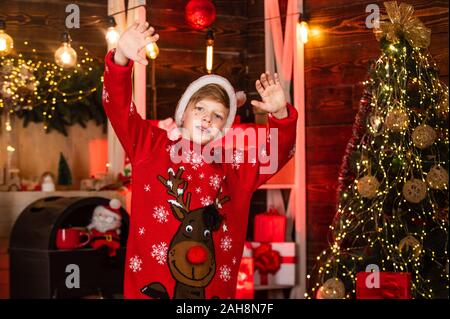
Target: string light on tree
x=152, y=50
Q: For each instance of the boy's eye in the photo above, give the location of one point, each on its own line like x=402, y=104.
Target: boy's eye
x=199, y=108
x=220, y=117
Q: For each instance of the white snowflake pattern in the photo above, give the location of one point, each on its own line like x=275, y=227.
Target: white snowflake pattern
x=135, y=264
x=206, y=201
x=147, y=187
x=238, y=157
x=105, y=95
x=141, y=231
x=160, y=214
x=195, y=159
x=225, y=243
x=131, y=108
x=234, y=260
x=189, y=177
x=106, y=69
x=171, y=150
x=253, y=162
x=224, y=228
x=198, y=190
x=214, y=181
x=225, y=273
x=201, y=176
x=159, y=252
x=292, y=151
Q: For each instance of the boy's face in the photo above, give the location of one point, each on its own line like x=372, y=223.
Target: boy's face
x=203, y=120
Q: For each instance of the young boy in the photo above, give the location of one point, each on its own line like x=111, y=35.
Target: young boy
x=189, y=218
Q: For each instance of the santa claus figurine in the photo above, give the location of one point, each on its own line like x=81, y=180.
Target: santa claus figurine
x=105, y=227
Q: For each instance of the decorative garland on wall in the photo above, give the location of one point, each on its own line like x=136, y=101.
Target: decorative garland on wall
x=42, y=92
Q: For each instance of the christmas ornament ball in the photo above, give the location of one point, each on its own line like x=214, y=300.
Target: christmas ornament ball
x=437, y=177
x=200, y=14
x=368, y=186
x=410, y=244
x=423, y=136
x=414, y=190
x=397, y=120
x=333, y=288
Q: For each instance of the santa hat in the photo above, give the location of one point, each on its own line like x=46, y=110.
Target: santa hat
x=112, y=208
x=236, y=99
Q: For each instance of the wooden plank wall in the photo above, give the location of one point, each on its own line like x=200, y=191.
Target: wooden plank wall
x=335, y=65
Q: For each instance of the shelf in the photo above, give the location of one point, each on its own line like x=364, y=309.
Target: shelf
x=272, y=287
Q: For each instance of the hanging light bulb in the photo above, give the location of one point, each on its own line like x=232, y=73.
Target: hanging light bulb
x=152, y=50
x=112, y=35
x=6, y=42
x=65, y=56
x=302, y=30
x=209, y=50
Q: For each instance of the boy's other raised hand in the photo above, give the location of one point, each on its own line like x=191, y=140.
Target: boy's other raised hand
x=133, y=41
x=272, y=95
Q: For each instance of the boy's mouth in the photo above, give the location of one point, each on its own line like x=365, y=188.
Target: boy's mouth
x=204, y=130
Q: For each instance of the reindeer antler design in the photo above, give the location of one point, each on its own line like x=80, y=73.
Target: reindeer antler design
x=220, y=200
x=176, y=187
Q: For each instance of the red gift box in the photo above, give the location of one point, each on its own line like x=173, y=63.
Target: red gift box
x=383, y=285
x=245, y=282
x=270, y=227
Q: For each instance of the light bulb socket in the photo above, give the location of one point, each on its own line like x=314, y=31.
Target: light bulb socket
x=210, y=35
x=65, y=37
x=303, y=17
x=111, y=21
x=2, y=25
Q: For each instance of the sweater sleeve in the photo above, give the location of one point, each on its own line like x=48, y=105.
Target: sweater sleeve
x=259, y=164
x=134, y=133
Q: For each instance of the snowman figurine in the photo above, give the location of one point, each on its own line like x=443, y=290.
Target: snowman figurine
x=105, y=227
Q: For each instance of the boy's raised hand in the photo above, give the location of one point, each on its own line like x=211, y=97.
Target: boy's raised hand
x=133, y=41
x=272, y=94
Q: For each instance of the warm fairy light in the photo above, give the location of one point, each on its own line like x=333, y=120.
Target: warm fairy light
x=209, y=51
x=152, y=50
x=10, y=149
x=302, y=31
x=6, y=42
x=65, y=56
x=112, y=36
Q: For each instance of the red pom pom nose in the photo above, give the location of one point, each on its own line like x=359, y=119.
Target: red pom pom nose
x=196, y=255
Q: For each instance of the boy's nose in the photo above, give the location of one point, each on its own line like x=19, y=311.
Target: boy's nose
x=196, y=255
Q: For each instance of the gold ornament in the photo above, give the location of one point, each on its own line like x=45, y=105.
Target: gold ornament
x=441, y=215
x=368, y=186
x=410, y=243
x=414, y=190
x=437, y=177
x=397, y=120
x=423, y=136
x=333, y=288
x=400, y=21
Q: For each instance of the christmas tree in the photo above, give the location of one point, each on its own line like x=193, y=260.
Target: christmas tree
x=393, y=186
x=64, y=175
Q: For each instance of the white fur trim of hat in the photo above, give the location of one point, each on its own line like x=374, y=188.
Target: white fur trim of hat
x=199, y=83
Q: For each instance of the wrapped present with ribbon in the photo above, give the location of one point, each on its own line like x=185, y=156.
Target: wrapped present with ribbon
x=269, y=227
x=383, y=285
x=245, y=281
x=274, y=263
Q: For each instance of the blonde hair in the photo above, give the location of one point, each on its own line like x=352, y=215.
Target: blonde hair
x=213, y=92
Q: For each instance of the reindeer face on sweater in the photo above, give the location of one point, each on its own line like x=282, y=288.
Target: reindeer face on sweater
x=191, y=256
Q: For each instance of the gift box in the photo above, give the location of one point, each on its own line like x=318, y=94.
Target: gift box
x=383, y=285
x=245, y=281
x=274, y=263
x=269, y=227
